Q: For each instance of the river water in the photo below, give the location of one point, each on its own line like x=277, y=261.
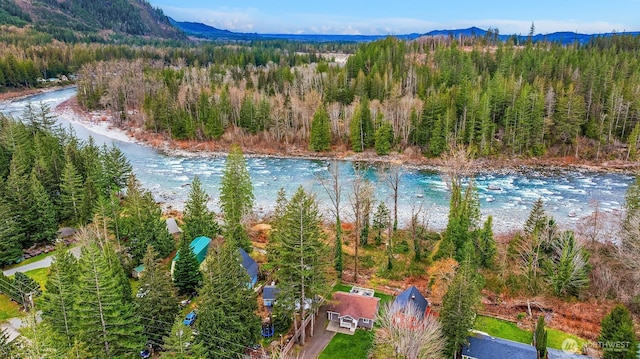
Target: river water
x=568, y=194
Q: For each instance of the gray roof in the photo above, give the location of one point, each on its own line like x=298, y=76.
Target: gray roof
x=172, y=226
x=411, y=295
x=482, y=346
x=269, y=292
x=559, y=354
x=65, y=232
x=249, y=264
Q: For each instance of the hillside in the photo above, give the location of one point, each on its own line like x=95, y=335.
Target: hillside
x=78, y=20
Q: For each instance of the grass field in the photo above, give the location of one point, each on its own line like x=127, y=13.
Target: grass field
x=502, y=329
x=556, y=337
x=349, y=346
x=8, y=308
x=39, y=275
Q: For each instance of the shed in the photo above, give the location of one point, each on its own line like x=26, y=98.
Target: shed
x=135, y=273
x=172, y=226
x=251, y=266
x=269, y=294
x=199, y=246
x=412, y=295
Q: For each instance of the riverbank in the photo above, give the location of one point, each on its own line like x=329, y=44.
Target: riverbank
x=23, y=93
x=100, y=121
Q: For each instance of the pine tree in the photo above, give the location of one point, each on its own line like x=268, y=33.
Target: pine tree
x=71, y=193
x=236, y=198
x=105, y=318
x=384, y=139
x=537, y=218
x=568, y=268
x=301, y=261
x=181, y=343
x=198, y=220
x=617, y=331
x=320, y=131
x=486, y=244
x=10, y=236
x=381, y=220
x=459, y=304
x=59, y=297
x=226, y=320
x=540, y=338
x=44, y=223
x=117, y=168
x=186, y=273
x=156, y=301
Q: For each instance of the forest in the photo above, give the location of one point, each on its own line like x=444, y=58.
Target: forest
x=534, y=100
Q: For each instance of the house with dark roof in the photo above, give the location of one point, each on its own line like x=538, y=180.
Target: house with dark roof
x=412, y=296
x=172, y=227
x=251, y=266
x=483, y=346
x=352, y=310
x=269, y=294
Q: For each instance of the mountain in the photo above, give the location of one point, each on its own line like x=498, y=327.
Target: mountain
x=209, y=32
x=75, y=20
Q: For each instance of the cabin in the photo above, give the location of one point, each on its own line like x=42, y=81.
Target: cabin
x=412, y=296
x=251, y=266
x=269, y=294
x=351, y=311
x=172, y=227
x=199, y=246
x=137, y=271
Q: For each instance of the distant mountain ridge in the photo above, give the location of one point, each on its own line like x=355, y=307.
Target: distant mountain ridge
x=212, y=33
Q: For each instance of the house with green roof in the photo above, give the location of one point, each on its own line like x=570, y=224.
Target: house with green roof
x=199, y=246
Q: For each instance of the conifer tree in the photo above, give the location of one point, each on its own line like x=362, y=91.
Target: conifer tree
x=105, y=317
x=156, y=301
x=459, y=304
x=381, y=220
x=198, y=220
x=618, y=332
x=117, y=168
x=226, y=320
x=384, y=138
x=236, y=198
x=44, y=223
x=540, y=338
x=186, y=273
x=301, y=261
x=320, y=131
x=10, y=236
x=59, y=297
x=71, y=193
x=486, y=244
x=181, y=343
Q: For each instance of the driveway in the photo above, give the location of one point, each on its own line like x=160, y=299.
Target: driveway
x=43, y=263
x=321, y=337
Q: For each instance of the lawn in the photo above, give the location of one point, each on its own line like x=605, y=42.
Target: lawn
x=349, y=346
x=503, y=329
x=39, y=275
x=8, y=308
x=341, y=287
x=556, y=337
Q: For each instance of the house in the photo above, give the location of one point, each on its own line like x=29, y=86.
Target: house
x=483, y=346
x=352, y=310
x=172, y=227
x=269, y=294
x=135, y=272
x=199, y=246
x=412, y=296
x=251, y=266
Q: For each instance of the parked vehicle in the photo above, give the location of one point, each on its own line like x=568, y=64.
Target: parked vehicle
x=190, y=318
x=145, y=354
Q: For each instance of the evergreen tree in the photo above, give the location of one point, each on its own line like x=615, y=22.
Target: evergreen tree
x=486, y=244
x=632, y=201
x=384, y=139
x=540, y=338
x=301, y=261
x=381, y=220
x=459, y=304
x=11, y=236
x=236, y=198
x=568, y=268
x=117, y=168
x=618, y=333
x=59, y=297
x=156, y=301
x=44, y=223
x=226, y=320
x=71, y=193
x=186, y=273
x=198, y=220
x=181, y=343
x=320, y=131
x=105, y=317
x=26, y=289
x=537, y=218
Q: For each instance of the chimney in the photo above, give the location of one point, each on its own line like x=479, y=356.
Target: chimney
x=413, y=296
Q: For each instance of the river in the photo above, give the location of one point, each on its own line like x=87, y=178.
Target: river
x=568, y=194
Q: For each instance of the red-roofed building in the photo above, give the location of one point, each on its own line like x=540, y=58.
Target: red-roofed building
x=353, y=310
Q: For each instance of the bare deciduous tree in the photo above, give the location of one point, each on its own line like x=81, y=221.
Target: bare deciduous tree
x=406, y=333
x=362, y=191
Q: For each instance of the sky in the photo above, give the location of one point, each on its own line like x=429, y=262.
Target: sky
x=406, y=16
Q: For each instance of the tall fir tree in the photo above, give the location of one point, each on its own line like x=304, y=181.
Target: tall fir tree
x=105, y=317
x=486, y=244
x=186, y=273
x=320, y=131
x=181, y=343
x=236, y=198
x=11, y=236
x=117, y=168
x=44, y=223
x=540, y=338
x=59, y=296
x=384, y=138
x=302, y=255
x=227, y=319
x=156, y=302
x=618, y=334
x=459, y=304
x=198, y=220
x=71, y=193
